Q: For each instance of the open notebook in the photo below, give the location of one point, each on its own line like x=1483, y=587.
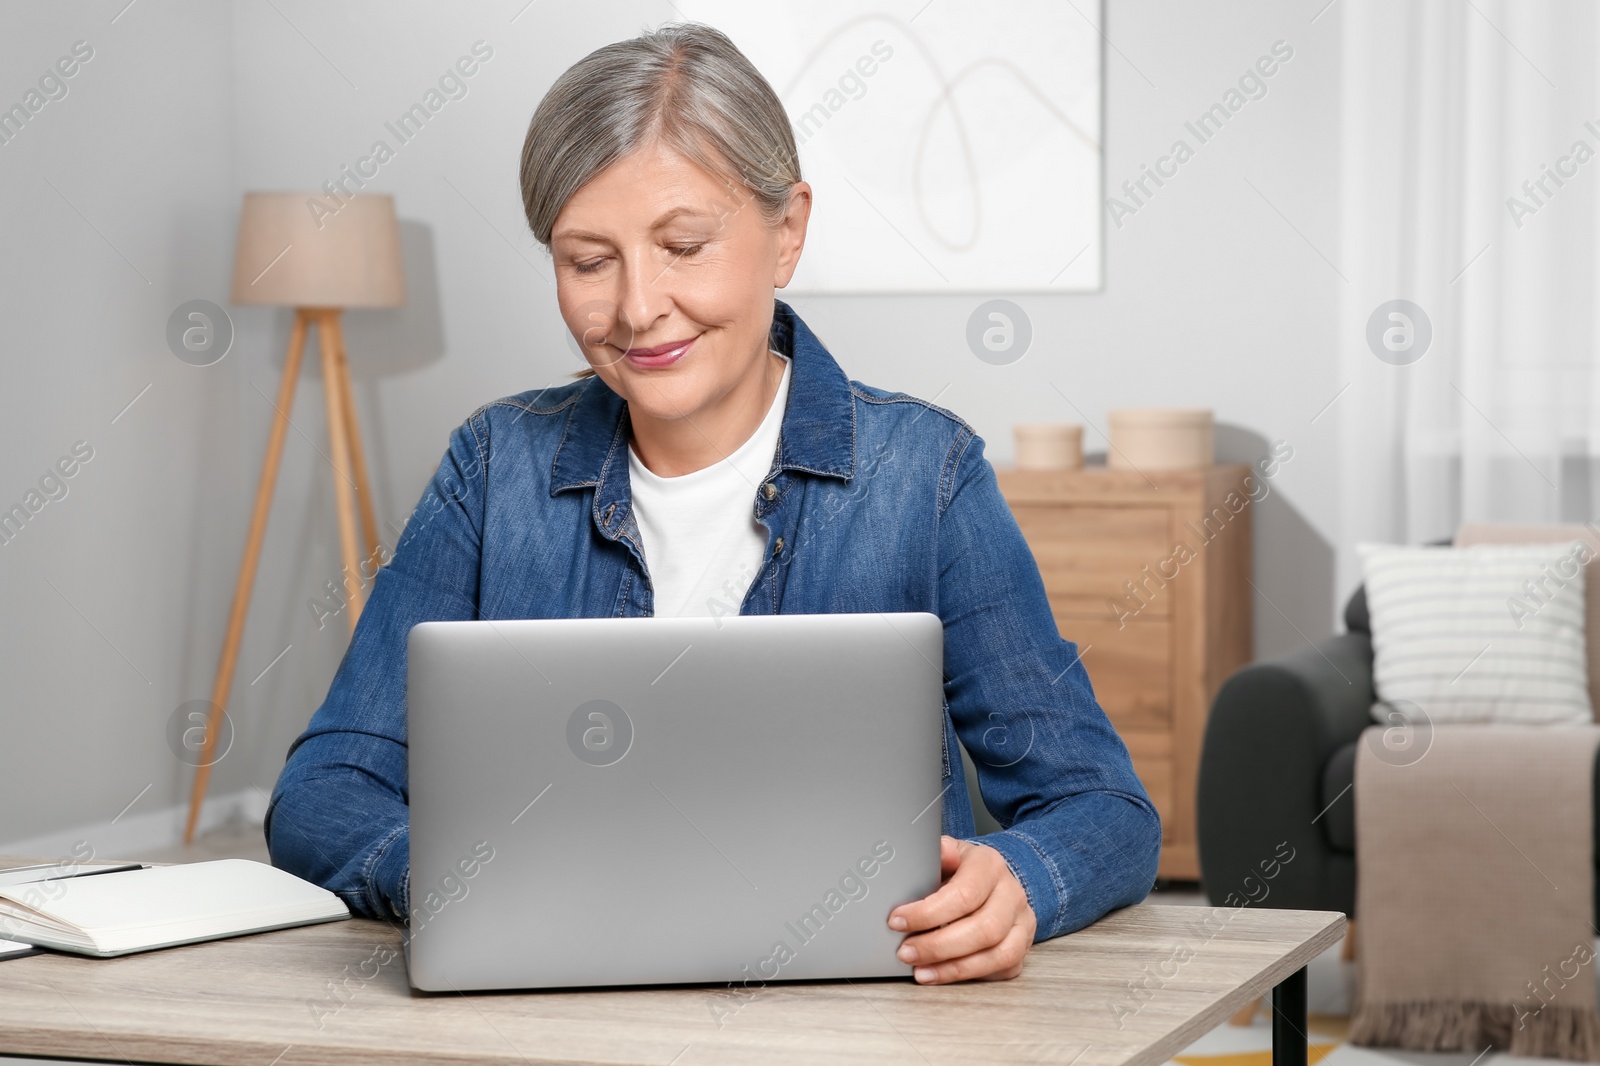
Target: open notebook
x=160, y=906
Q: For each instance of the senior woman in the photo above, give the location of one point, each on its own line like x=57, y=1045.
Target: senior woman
x=714, y=458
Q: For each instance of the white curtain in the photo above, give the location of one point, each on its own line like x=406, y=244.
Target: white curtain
x=1449, y=108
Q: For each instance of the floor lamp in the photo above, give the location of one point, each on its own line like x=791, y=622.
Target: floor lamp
x=294, y=250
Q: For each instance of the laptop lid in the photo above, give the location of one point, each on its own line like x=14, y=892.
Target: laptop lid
x=664, y=800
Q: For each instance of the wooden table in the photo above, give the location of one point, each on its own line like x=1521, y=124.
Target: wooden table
x=1136, y=987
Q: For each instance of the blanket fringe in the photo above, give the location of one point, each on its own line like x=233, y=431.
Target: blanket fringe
x=1552, y=1033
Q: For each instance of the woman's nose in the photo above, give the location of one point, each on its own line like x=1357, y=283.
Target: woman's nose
x=645, y=295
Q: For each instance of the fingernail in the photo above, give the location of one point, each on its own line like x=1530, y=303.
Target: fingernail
x=897, y=922
x=907, y=953
x=923, y=973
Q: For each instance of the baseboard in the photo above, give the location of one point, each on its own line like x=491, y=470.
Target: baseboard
x=137, y=834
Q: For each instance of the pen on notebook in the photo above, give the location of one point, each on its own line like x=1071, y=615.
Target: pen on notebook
x=101, y=870
x=9, y=877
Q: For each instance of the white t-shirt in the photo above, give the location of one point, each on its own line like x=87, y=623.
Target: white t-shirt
x=702, y=543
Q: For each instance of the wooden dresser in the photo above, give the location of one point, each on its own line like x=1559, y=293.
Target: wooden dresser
x=1148, y=574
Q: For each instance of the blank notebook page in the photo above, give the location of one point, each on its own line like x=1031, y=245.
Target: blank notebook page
x=201, y=893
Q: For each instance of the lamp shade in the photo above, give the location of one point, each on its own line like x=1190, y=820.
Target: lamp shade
x=296, y=250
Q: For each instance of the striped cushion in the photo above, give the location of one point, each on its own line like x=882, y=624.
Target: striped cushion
x=1490, y=633
x=1472, y=533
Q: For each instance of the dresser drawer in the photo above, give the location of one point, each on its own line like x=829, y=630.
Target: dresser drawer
x=1086, y=554
x=1130, y=667
x=1155, y=654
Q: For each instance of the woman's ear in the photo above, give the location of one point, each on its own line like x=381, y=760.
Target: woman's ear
x=792, y=233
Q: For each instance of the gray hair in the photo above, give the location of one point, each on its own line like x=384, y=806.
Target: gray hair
x=684, y=83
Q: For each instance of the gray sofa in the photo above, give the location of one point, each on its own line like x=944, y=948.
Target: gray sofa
x=1276, y=766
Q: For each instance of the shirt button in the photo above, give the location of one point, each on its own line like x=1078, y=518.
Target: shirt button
x=769, y=490
x=777, y=546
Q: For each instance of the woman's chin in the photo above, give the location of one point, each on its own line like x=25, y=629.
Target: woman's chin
x=663, y=405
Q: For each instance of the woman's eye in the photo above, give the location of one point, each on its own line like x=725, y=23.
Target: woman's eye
x=678, y=250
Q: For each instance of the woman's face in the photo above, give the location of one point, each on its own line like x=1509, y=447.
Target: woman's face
x=665, y=274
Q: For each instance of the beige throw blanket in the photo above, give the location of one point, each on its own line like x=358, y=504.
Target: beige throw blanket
x=1475, y=892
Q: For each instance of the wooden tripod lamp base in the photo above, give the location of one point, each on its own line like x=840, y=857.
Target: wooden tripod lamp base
x=318, y=266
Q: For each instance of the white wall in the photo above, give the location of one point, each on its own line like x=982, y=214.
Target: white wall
x=117, y=201
x=1213, y=298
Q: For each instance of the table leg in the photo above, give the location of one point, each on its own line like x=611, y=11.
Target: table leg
x=1290, y=1045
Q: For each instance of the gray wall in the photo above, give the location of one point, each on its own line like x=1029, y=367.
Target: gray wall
x=1213, y=298
x=118, y=199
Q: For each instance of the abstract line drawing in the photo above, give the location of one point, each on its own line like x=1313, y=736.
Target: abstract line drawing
x=955, y=148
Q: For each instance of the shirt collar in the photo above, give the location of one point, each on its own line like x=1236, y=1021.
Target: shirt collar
x=817, y=435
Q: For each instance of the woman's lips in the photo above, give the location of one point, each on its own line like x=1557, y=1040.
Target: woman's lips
x=661, y=355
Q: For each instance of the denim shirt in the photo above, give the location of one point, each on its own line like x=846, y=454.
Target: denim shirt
x=876, y=501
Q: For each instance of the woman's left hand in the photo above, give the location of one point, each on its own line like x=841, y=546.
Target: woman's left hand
x=979, y=921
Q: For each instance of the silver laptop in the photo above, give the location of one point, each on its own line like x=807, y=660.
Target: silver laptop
x=626, y=801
